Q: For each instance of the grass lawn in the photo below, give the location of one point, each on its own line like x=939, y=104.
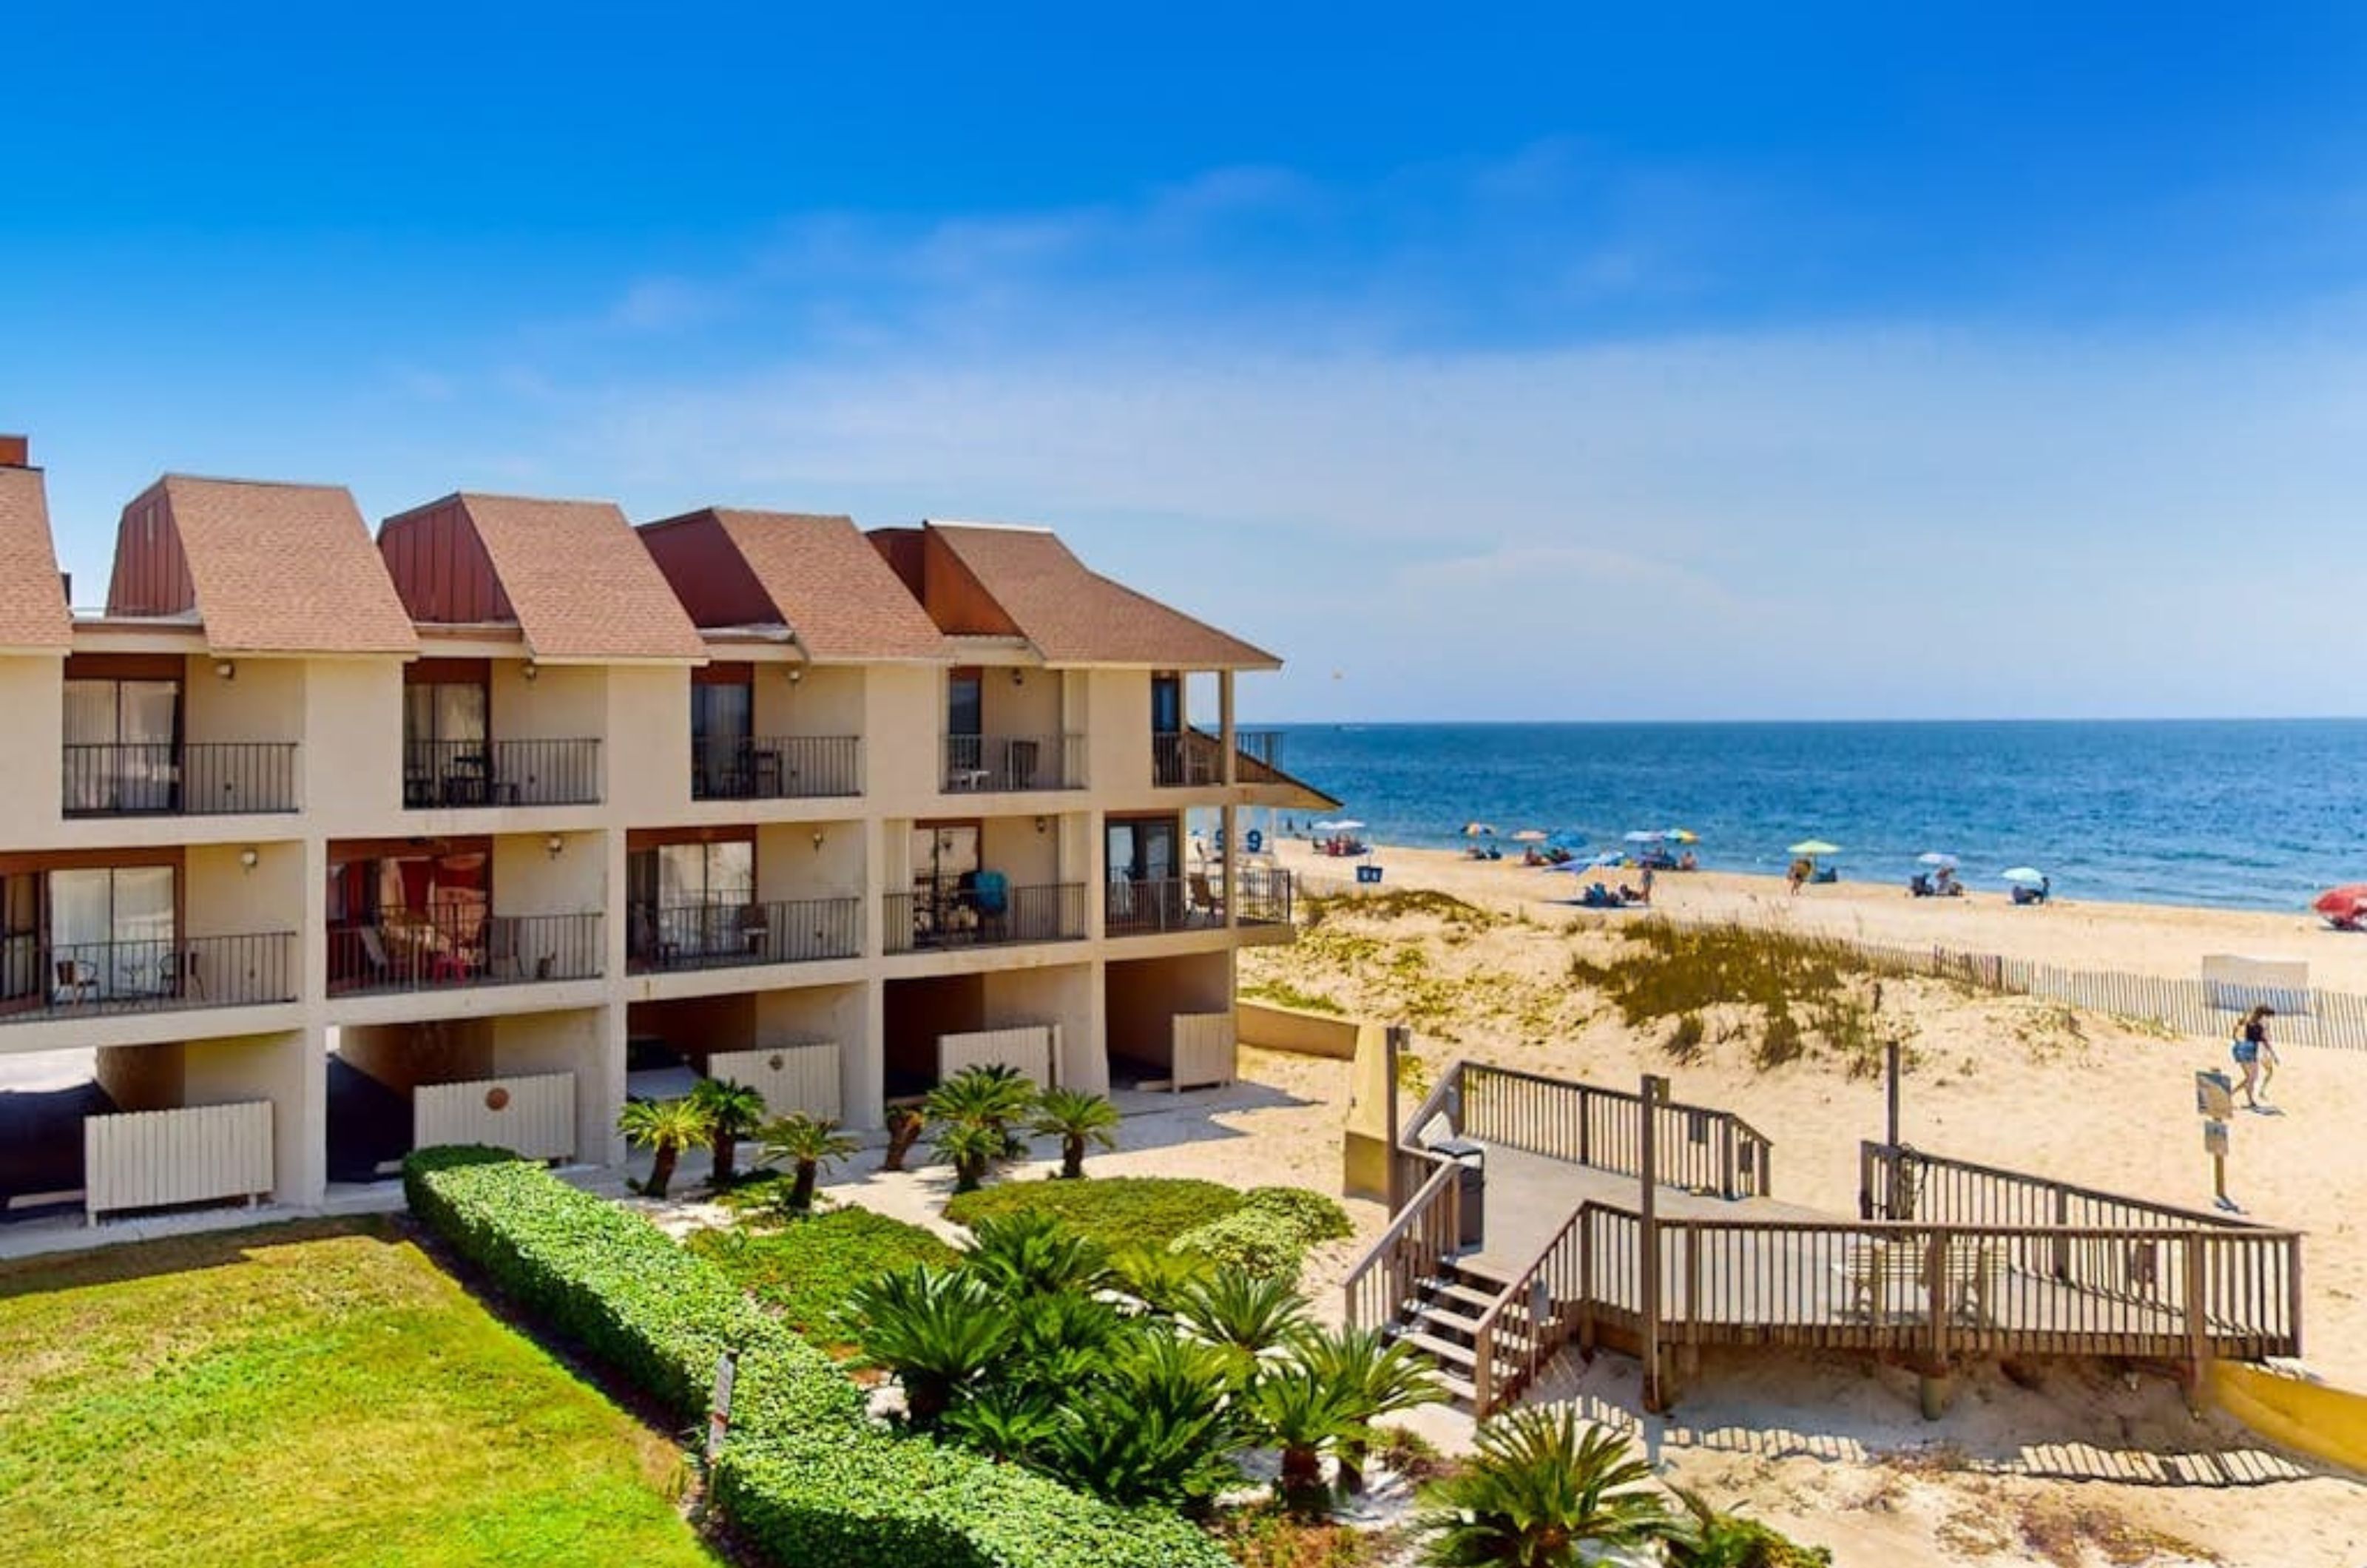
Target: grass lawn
x=805, y=1269
x=1112, y=1209
x=299, y=1395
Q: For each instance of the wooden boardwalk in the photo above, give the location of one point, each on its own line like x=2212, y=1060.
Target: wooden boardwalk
x=1962, y=1260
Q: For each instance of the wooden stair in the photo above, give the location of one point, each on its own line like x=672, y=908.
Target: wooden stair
x=1441, y=1319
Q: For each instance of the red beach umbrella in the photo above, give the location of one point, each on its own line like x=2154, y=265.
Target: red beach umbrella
x=2346, y=903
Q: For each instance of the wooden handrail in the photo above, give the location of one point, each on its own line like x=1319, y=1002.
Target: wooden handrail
x=1388, y=1247
x=1879, y=1150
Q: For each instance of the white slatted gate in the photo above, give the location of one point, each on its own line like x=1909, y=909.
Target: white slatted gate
x=1204, y=1050
x=532, y=1116
x=1032, y=1050
x=792, y=1078
x=150, y=1159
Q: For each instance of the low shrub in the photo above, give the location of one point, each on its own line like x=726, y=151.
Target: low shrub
x=1318, y=1219
x=1111, y=1210
x=1269, y=1234
x=805, y=1270
x=805, y=1478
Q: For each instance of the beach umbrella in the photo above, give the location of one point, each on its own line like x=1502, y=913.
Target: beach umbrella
x=1346, y=825
x=1573, y=867
x=2023, y=877
x=1684, y=835
x=1643, y=835
x=1606, y=859
x=1813, y=847
x=2342, y=903
x=1479, y=831
x=1530, y=836
x=1936, y=858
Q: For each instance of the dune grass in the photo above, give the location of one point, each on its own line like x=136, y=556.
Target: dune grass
x=305, y=1394
x=1799, y=988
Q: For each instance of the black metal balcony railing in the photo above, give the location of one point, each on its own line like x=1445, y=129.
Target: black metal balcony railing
x=454, y=948
x=196, y=778
x=951, y=915
x=501, y=772
x=41, y=979
x=1185, y=758
x=785, y=767
x=1194, y=903
x=983, y=764
x=716, y=936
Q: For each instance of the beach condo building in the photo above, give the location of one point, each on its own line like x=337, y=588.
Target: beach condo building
x=316, y=848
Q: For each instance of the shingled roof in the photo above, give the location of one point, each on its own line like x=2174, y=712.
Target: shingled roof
x=1075, y=615
x=816, y=575
x=33, y=615
x=570, y=573
x=266, y=568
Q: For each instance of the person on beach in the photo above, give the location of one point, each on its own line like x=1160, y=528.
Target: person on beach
x=1644, y=894
x=1802, y=869
x=2249, y=1047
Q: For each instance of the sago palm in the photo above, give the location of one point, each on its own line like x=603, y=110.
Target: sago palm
x=1077, y=1119
x=806, y=1144
x=1159, y=1425
x=1374, y=1377
x=1034, y=1254
x=994, y=1096
x=734, y=1111
x=974, y=1149
x=666, y=1127
x=1302, y=1415
x=938, y=1330
x=1248, y=1316
x=1157, y=1276
x=1542, y=1484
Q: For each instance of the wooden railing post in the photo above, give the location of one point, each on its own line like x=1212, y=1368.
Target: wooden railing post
x=2198, y=1330
x=1647, y=1241
x=1483, y=1371
x=1585, y=1282
x=2062, y=1259
x=2293, y=1293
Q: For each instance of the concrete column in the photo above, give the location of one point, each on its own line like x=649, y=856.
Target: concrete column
x=1232, y=827
x=308, y=1151
x=863, y=1062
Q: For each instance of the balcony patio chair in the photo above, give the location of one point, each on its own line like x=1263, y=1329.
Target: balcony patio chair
x=373, y=950
x=1204, y=900
x=76, y=981
x=185, y=981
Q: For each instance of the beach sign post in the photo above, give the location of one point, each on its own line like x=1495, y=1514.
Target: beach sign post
x=2214, y=1101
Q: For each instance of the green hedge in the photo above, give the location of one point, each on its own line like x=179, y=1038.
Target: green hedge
x=910, y=1502
x=1269, y=1234
x=806, y=1269
x=804, y=1477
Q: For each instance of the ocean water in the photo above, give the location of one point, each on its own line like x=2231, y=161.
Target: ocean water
x=2241, y=814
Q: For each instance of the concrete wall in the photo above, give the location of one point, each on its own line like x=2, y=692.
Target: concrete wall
x=404, y=1056
x=1144, y=995
x=645, y=744
x=826, y=699
x=692, y=1027
x=221, y=897
x=352, y=749
x=903, y=745
x=264, y=700
x=790, y=866
x=140, y=1077
x=32, y=693
x=1013, y=846
x=529, y=880
x=1118, y=705
x=1276, y=1028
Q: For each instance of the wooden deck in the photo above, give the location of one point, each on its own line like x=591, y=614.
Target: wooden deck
x=1976, y=1261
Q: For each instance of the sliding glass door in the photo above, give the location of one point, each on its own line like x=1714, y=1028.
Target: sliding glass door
x=111, y=931
x=121, y=739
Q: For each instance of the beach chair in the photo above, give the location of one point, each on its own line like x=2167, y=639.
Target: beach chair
x=1203, y=900
x=1872, y=1270
x=1968, y=1271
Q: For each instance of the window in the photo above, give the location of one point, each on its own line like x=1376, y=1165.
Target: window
x=451, y=711
x=1166, y=704
x=687, y=898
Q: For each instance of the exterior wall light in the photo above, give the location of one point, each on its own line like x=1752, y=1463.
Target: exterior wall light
x=1043, y=824
x=532, y=671
x=226, y=669
x=817, y=837
x=1018, y=676
x=796, y=673
x=554, y=846
x=248, y=859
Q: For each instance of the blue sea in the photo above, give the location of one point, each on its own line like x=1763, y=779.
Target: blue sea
x=2241, y=813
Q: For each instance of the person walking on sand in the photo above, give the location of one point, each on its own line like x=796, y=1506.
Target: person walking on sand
x=1801, y=870
x=1645, y=892
x=2249, y=1047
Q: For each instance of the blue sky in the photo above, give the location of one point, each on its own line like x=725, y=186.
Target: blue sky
x=1752, y=362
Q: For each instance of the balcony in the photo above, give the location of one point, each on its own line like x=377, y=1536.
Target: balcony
x=722, y=936
x=992, y=764
x=1186, y=758
x=91, y=979
x=785, y=767
x=459, y=948
x=197, y=778
x=934, y=919
x=500, y=773
x=1194, y=903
